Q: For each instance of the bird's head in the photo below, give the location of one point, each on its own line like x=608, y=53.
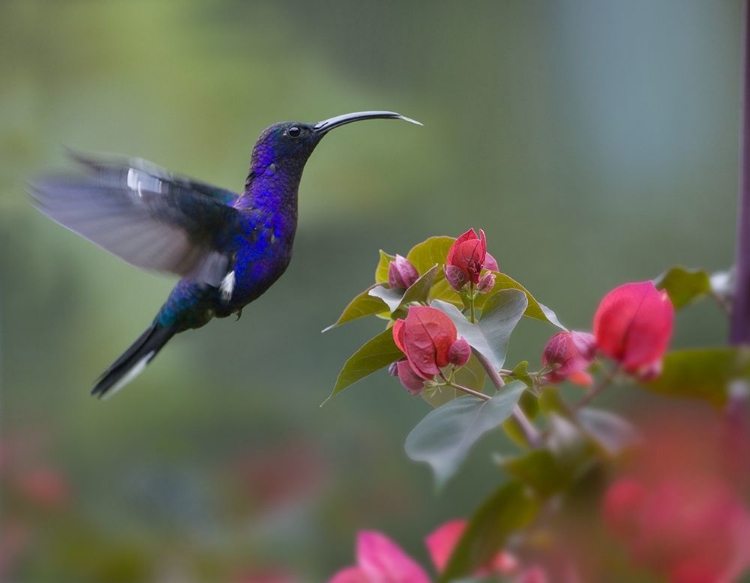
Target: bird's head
x=288, y=145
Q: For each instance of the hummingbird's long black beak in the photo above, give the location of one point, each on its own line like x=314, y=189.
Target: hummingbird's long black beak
x=327, y=125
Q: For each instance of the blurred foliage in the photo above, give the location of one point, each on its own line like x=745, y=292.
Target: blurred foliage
x=594, y=141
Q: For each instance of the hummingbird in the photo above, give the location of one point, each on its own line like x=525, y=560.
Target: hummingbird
x=227, y=248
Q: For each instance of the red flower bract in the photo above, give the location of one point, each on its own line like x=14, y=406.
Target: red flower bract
x=425, y=337
x=633, y=325
x=410, y=380
x=467, y=256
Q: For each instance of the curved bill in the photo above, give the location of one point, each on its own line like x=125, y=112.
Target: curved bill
x=327, y=125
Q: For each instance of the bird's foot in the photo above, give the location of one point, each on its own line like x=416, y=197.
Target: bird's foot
x=239, y=314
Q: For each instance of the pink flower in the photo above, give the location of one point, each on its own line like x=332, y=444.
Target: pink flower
x=410, y=380
x=466, y=259
x=267, y=576
x=425, y=337
x=441, y=542
x=401, y=273
x=380, y=560
x=633, y=325
x=44, y=486
x=692, y=531
x=459, y=352
x=487, y=282
x=533, y=574
x=679, y=510
x=570, y=353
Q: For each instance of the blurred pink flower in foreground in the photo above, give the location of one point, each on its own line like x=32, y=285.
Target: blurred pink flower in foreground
x=270, y=576
x=692, y=532
x=380, y=560
x=677, y=510
x=14, y=539
x=441, y=542
x=633, y=326
x=44, y=486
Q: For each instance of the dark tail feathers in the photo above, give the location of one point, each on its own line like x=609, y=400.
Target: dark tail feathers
x=133, y=361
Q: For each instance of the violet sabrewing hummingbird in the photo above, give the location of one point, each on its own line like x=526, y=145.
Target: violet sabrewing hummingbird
x=228, y=248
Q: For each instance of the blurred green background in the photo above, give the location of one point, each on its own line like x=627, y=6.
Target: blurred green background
x=594, y=141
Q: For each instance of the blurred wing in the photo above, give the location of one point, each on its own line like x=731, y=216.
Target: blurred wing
x=111, y=168
x=145, y=215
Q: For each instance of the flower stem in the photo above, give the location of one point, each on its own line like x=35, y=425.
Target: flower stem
x=527, y=427
x=472, y=297
x=603, y=383
x=469, y=391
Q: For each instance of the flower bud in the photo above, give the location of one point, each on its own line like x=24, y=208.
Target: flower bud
x=401, y=273
x=455, y=277
x=649, y=372
x=486, y=283
x=570, y=354
x=409, y=379
x=459, y=352
x=468, y=254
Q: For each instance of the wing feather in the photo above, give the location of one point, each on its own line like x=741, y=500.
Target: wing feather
x=145, y=215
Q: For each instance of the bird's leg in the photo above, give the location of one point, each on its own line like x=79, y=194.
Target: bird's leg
x=239, y=315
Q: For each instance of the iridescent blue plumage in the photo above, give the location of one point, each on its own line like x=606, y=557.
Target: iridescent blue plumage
x=229, y=248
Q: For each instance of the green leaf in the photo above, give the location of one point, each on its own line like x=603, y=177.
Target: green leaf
x=567, y=441
x=471, y=375
x=508, y=510
x=684, y=285
x=431, y=252
x=379, y=352
x=417, y=292
x=551, y=401
x=491, y=334
x=529, y=404
x=540, y=470
x=391, y=297
x=521, y=373
x=371, y=301
x=362, y=305
x=381, y=271
x=611, y=432
x=569, y=454
x=534, y=310
x=702, y=373
x=445, y=436
x=441, y=290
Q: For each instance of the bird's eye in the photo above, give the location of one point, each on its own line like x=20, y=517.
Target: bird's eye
x=294, y=132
